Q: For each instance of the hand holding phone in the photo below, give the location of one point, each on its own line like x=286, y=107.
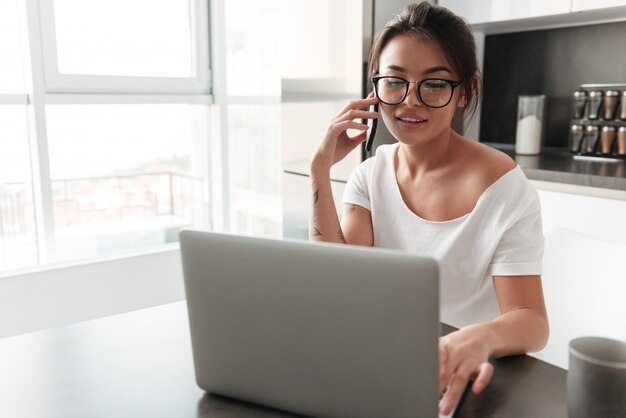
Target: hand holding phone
x=370, y=139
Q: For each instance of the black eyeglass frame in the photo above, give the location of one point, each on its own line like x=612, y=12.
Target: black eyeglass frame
x=453, y=84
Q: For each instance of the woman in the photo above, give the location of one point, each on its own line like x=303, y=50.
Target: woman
x=437, y=193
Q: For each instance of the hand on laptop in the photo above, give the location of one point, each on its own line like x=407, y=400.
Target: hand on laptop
x=463, y=355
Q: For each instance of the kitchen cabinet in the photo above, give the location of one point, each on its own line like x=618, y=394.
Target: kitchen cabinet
x=584, y=290
x=597, y=217
x=327, y=44
x=584, y=277
x=580, y=5
x=483, y=11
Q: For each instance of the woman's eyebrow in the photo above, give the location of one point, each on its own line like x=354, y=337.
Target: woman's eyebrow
x=396, y=68
x=428, y=71
x=436, y=69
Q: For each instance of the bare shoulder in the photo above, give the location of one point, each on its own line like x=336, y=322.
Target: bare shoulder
x=483, y=164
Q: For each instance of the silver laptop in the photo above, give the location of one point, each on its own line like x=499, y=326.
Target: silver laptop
x=318, y=329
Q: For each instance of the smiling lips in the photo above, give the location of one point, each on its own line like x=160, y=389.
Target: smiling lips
x=410, y=121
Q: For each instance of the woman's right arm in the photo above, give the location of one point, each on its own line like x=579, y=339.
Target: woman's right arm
x=356, y=226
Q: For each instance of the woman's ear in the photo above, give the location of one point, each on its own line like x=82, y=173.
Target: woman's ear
x=463, y=99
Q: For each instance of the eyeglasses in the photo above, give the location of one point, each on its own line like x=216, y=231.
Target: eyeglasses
x=432, y=92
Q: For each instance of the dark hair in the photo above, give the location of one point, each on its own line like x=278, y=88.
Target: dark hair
x=451, y=32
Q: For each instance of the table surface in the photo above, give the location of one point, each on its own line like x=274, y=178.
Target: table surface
x=139, y=364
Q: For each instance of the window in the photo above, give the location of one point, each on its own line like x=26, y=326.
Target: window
x=104, y=127
x=18, y=241
x=11, y=70
x=156, y=44
x=134, y=46
x=124, y=176
x=115, y=132
x=120, y=123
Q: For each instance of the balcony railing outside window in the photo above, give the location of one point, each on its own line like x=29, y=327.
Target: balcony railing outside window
x=100, y=215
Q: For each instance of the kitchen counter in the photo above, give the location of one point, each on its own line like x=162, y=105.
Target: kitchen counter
x=556, y=165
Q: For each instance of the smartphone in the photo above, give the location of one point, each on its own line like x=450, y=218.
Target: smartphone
x=370, y=139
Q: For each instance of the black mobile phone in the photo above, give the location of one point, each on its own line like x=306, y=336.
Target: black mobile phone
x=370, y=139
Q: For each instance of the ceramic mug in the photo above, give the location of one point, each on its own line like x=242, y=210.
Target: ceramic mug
x=596, y=379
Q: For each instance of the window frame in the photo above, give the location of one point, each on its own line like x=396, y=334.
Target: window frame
x=56, y=82
x=13, y=99
x=37, y=27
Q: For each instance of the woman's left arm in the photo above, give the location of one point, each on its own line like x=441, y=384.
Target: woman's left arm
x=521, y=327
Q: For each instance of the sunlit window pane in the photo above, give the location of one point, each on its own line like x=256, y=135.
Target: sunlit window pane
x=124, y=38
x=126, y=176
x=255, y=172
x=251, y=48
x=11, y=73
x=18, y=243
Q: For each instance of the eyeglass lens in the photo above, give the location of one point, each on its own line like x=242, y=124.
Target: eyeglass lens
x=432, y=92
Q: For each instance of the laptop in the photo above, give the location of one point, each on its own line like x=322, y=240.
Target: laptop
x=324, y=330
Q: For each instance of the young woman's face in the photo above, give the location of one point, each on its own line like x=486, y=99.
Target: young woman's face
x=411, y=122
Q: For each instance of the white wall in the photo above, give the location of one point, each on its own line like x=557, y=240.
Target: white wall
x=53, y=297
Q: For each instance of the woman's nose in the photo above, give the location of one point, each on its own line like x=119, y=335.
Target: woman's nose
x=412, y=98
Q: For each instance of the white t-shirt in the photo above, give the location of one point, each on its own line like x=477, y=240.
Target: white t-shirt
x=501, y=236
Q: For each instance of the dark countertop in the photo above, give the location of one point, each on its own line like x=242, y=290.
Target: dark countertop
x=139, y=364
x=558, y=166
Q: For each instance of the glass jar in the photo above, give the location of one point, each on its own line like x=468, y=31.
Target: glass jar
x=529, y=124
